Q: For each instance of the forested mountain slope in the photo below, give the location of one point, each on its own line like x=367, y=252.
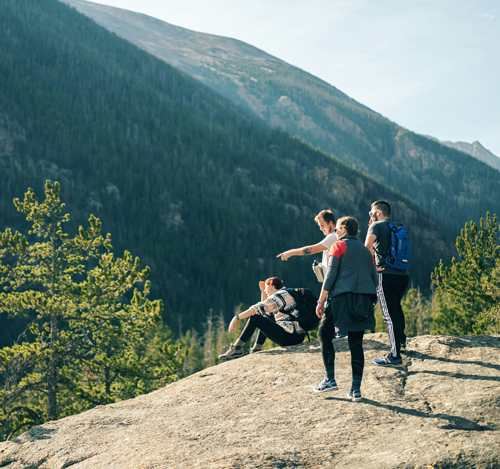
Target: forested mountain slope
x=452, y=186
x=179, y=176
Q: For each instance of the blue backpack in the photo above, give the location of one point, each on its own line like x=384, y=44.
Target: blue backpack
x=399, y=254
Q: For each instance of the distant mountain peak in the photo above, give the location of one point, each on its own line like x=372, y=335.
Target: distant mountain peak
x=475, y=149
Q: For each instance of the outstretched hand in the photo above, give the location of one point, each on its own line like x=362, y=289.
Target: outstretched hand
x=284, y=255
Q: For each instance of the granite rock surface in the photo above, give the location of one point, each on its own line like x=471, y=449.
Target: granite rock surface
x=440, y=410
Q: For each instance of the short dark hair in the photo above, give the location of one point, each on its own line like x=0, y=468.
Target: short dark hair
x=326, y=215
x=383, y=206
x=275, y=282
x=350, y=224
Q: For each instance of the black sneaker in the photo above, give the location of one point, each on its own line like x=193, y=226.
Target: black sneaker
x=233, y=352
x=326, y=385
x=388, y=360
x=354, y=395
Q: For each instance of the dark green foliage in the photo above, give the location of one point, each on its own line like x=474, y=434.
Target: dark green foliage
x=203, y=194
x=489, y=321
x=468, y=288
x=85, y=342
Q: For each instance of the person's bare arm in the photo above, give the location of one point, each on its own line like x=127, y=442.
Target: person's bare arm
x=250, y=311
x=245, y=314
x=370, y=239
x=262, y=287
x=303, y=251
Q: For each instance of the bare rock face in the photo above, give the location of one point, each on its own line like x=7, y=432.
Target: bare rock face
x=440, y=410
x=476, y=150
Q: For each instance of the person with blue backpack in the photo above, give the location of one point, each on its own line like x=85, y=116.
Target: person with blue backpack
x=390, y=247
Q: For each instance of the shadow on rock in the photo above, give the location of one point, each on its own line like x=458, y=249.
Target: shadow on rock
x=423, y=356
x=454, y=422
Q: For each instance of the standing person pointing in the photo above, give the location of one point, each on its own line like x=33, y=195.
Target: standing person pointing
x=326, y=222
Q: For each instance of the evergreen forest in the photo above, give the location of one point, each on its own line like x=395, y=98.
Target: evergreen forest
x=451, y=186
x=204, y=194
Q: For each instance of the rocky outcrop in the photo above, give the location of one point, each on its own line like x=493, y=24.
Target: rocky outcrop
x=440, y=410
x=476, y=150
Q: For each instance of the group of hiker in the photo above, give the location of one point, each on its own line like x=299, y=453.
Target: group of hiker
x=353, y=277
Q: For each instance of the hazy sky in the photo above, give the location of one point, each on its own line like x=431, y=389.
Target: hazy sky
x=432, y=66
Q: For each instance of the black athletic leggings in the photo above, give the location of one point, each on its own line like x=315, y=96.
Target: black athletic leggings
x=268, y=328
x=326, y=334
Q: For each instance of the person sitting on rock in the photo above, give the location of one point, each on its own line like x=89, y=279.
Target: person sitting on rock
x=350, y=286
x=273, y=316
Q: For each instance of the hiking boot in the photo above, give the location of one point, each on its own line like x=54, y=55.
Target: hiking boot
x=255, y=349
x=326, y=385
x=388, y=360
x=233, y=352
x=354, y=395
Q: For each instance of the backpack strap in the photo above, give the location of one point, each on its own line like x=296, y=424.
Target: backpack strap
x=390, y=239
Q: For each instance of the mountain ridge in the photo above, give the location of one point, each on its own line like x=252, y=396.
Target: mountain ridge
x=435, y=176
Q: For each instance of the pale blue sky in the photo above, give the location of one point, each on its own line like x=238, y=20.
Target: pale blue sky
x=432, y=66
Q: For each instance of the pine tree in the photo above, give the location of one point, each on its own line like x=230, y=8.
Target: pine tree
x=85, y=342
x=489, y=321
x=418, y=313
x=194, y=361
x=464, y=289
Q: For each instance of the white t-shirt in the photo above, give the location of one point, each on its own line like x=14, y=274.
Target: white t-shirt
x=327, y=242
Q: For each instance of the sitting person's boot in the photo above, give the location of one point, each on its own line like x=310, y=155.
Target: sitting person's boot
x=233, y=352
x=256, y=348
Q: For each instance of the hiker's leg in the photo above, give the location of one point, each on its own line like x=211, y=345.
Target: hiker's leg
x=387, y=294
x=261, y=337
x=355, y=340
x=403, y=282
x=235, y=350
x=248, y=330
x=326, y=334
x=276, y=333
